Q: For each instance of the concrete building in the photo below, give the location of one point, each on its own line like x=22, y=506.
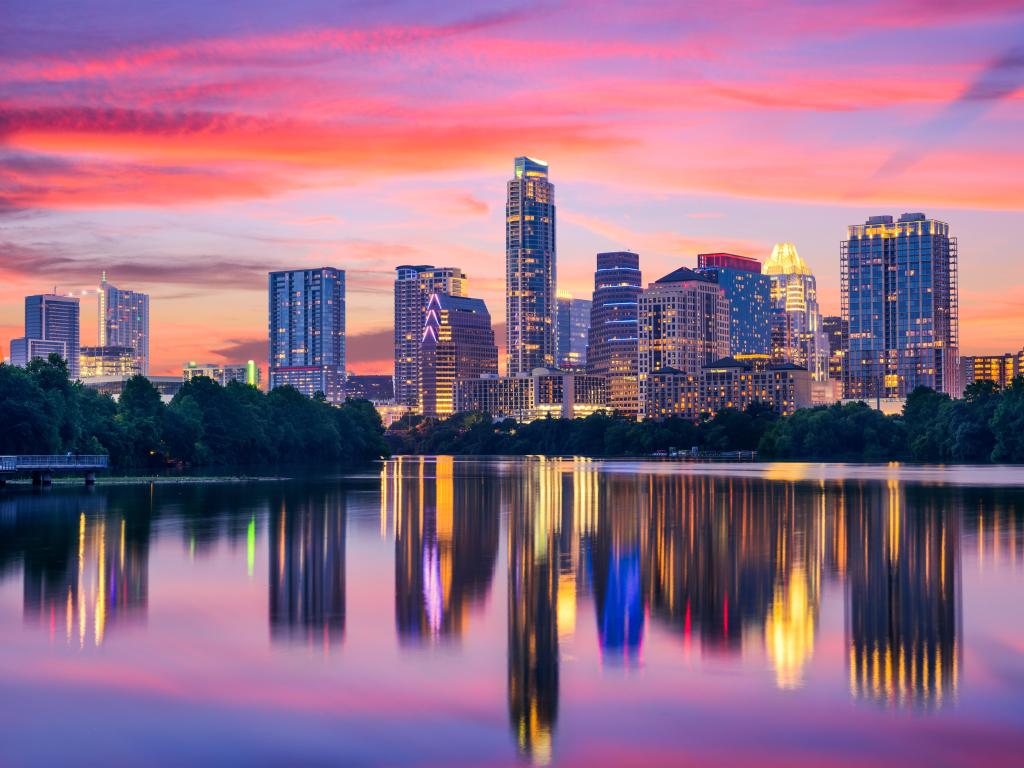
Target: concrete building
x=612, y=341
x=684, y=324
x=307, y=331
x=108, y=361
x=377, y=388
x=414, y=285
x=530, y=267
x=224, y=373
x=536, y=395
x=728, y=383
x=1000, y=369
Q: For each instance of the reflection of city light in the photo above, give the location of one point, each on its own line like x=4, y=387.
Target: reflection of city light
x=566, y=604
x=250, y=540
x=789, y=629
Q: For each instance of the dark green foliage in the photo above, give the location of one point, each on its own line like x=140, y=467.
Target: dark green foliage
x=850, y=432
x=1008, y=424
x=41, y=411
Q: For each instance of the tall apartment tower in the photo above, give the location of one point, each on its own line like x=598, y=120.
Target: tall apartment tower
x=307, y=331
x=749, y=295
x=123, y=321
x=457, y=343
x=612, y=341
x=572, y=326
x=838, y=332
x=52, y=326
x=684, y=324
x=899, y=295
x=530, y=267
x=797, y=333
x=414, y=285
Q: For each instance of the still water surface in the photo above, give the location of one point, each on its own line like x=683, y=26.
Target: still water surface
x=507, y=611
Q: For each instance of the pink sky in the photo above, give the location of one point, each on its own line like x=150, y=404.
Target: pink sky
x=191, y=151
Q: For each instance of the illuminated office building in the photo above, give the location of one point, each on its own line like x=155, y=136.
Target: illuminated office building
x=572, y=326
x=377, y=388
x=124, y=321
x=307, y=331
x=108, y=361
x=749, y=295
x=999, y=369
x=797, y=335
x=457, y=342
x=899, y=295
x=684, y=325
x=51, y=327
x=414, y=285
x=530, y=267
x=524, y=398
x=612, y=340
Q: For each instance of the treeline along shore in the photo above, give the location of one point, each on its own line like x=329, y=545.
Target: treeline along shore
x=43, y=412
x=986, y=425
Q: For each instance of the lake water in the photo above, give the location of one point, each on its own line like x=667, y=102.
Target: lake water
x=440, y=611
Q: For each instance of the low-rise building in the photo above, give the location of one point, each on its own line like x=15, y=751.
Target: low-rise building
x=167, y=386
x=728, y=383
x=525, y=397
x=1001, y=369
x=223, y=374
x=109, y=361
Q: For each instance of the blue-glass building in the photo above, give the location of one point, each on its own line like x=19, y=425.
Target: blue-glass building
x=307, y=331
x=612, y=339
x=530, y=267
x=51, y=327
x=749, y=295
x=899, y=296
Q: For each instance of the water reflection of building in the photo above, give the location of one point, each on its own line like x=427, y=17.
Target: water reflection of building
x=307, y=568
x=446, y=545
x=533, y=500
x=86, y=565
x=903, y=615
x=616, y=556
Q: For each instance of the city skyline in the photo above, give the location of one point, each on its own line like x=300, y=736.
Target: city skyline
x=190, y=163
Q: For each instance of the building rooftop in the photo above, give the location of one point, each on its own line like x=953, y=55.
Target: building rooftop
x=684, y=275
x=786, y=261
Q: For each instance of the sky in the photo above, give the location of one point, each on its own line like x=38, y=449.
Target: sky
x=189, y=147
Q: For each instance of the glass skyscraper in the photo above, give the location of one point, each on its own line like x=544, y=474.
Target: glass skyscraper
x=749, y=295
x=571, y=329
x=838, y=332
x=457, y=343
x=307, y=331
x=51, y=327
x=124, y=321
x=612, y=340
x=530, y=267
x=899, y=296
x=414, y=285
x=797, y=335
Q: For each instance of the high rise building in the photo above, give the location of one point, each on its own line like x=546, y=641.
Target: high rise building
x=51, y=327
x=124, y=321
x=572, y=327
x=837, y=331
x=749, y=295
x=797, y=335
x=414, y=285
x=684, y=325
x=108, y=361
x=612, y=340
x=458, y=342
x=899, y=296
x=307, y=331
x=530, y=267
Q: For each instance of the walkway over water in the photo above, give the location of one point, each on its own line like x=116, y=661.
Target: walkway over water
x=43, y=466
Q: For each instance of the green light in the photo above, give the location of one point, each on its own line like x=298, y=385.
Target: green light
x=251, y=542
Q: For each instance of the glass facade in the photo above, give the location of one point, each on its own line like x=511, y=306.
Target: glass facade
x=54, y=320
x=307, y=331
x=837, y=331
x=899, y=296
x=414, y=285
x=573, y=326
x=124, y=321
x=797, y=335
x=530, y=267
x=612, y=340
x=457, y=342
x=749, y=295
x=108, y=361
